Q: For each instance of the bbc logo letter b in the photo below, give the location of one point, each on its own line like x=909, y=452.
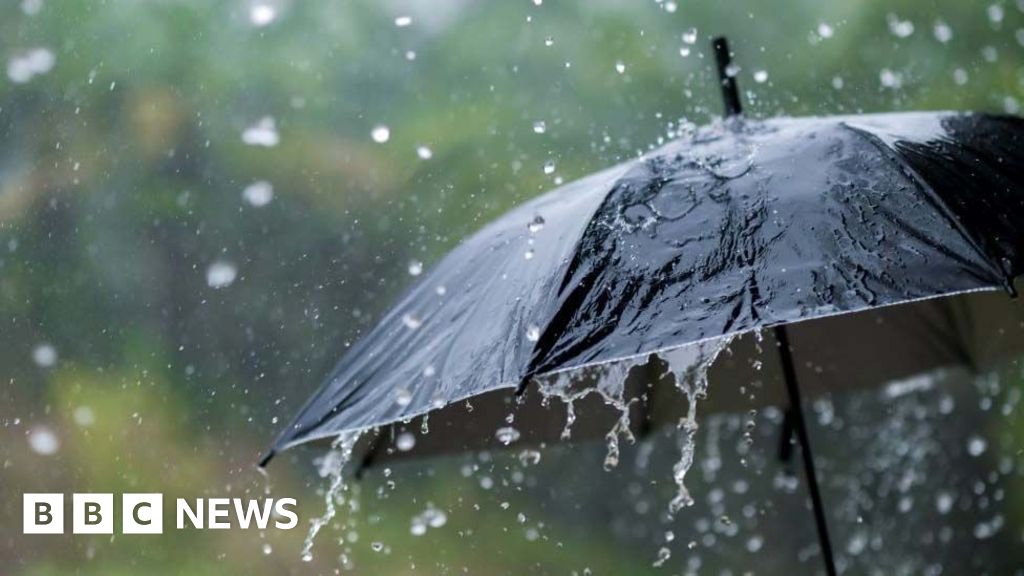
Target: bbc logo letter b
x=43, y=513
x=92, y=513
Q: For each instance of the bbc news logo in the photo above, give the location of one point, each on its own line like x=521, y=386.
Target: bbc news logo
x=144, y=513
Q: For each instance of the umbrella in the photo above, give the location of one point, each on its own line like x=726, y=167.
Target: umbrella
x=727, y=230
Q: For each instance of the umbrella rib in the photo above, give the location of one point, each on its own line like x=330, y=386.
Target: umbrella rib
x=936, y=200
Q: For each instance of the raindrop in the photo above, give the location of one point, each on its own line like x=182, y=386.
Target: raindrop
x=760, y=76
x=671, y=7
x=538, y=2
x=44, y=355
x=43, y=441
x=539, y=127
x=262, y=14
x=620, y=67
x=944, y=502
x=380, y=134
x=960, y=76
x=259, y=193
x=411, y=322
x=549, y=41
x=424, y=153
x=995, y=14
x=529, y=457
x=31, y=7
x=690, y=36
x=415, y=268
x=549, y=167
x=976, y=445
x=262, y=133
x=837, y=82
x=405, y=442
x=533, y=333
x=403, y=21
x=403, y=397
x=221, y=274
x=536, y=225
x=377, y=546
x=429, y=371
x=507, y=435
x=899, y=28
x=890, y=78
x=663, y=555
x=825, y=30
x=267, y=550
x=84, y=416
x=529, y=254
x=943, y=33
x=23, y=67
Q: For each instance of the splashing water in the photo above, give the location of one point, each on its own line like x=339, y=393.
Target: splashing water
x=332, y=467
x=610, y=386
x=689, y=365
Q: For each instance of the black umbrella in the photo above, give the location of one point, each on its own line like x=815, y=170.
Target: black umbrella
x=729, y=229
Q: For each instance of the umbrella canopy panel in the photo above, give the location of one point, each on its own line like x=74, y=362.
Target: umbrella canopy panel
x=736, y=226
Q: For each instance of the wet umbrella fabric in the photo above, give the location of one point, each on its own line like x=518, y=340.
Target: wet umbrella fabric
x=733, y=227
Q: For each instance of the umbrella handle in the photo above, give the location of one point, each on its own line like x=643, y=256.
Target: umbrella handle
x=800, y=427
x=730, y=92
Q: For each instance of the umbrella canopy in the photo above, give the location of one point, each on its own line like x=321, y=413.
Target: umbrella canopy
x=728, y=229
x=732, y=227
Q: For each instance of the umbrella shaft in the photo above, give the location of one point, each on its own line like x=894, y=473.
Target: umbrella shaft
x=800, y=427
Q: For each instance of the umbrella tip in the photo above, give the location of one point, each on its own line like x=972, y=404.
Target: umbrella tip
x=726, y=76
x=266, y=459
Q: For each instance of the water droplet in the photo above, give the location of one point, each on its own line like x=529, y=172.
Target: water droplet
x=380, y=134
x=890, y=79
x=825, y=30
x=377, y=546
x=44, y=355
x=549, y=41
x=529, y=457
x=261, y=15
x=533, y=333
x=549, y=167
x=221, y=274
x=760, y=76
x=620, y=67
x=424, y=153
x=429, y=371
x=25, y=66
x=976, y=445
x=944, y=502
x=259, y=193
x=403, y=21
x=529, y=254
x=943, y=33
x=995, y=14
x=43, y=441
x=403, y=397
x=84, y=416
x=262, y=133
x=507, y=435
x=267, y=550
x=415, y=268
x=536, y=225
x=898, y=27
x=539, y=127
x=690, y=36
x=411, y=321
x=405, y=441
x=663, y=555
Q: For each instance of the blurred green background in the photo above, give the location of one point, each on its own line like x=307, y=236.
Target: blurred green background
x=200, y=210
